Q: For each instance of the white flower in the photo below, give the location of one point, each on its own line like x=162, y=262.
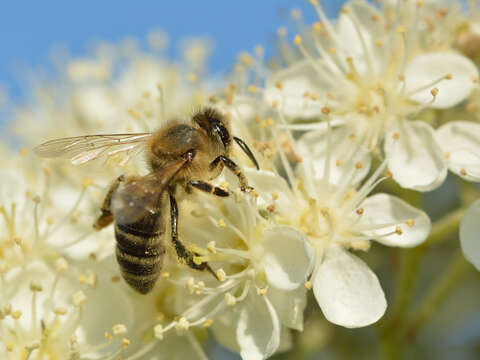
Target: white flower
x=375, y=77
x=469, y=234
x=262, y=268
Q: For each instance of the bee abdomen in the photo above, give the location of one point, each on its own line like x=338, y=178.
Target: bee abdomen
x=140, y=257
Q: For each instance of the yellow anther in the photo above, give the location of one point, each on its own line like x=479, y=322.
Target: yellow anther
x=396, y=136
x=23, y=152
x=211, y=247
x=360, y=211
x=230, y=300
x=270, y=122
x=207, y=323
x=252, y=89
x=192, y=77
x=314, y=2
x=221, y=223
x=119, y=329
x=308, y=285
x=448, y=77
x=388, y=174
x=410, y=222
x=79, y=298
x=262, y=291
x=359, y=165
x=375, y=18
x=35, y=287
x=134, y=113
x=297, y=40
x=86, y=182
x=279, y=85
x=447, y=155
x=339, y=162
x=125, y=343
x=36, y=199
x=401, y=29
x=158, y=331
x=212, y=99
x=108, y=336
x=61, y=265
x=434, y=92
x=274, y=195
x=10, y=346
x=463, y=172
x=326, y=110
x=16, y=314
x=399, y=230
x=115, y=278
x=60, y=311
x=221, y=275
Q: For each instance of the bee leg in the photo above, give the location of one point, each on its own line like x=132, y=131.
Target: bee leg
x=106, y=217
x=233, y=168
x=182, y=252
x=208, y=188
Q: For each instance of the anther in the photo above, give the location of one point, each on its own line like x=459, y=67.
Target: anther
x=359, y=165
x=297, y=40
x=399, y=230
x=410, y=222
x=261, y=291
x=221, y=275
x=360, y=211
x=434, y=92
x=16, y=314
x=207, y=323
x=326, y=110
x=60, y=311
x=182, y=324
x=463, y=172
x=119, y=329
x=35, y=287
x=252, y=89
x=61, y=265
x=395, y=136
x=279, y=85
x=230, y=300
x=308, y=285
x=165, y=274
x=221, y=223
x=158, y=331
x=274, y=195
x=79, y=298
x=125, y=343
x=211, y=247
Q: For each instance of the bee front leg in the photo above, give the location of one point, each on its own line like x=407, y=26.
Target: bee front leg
x=182, y=252
x=106, y=217
x=233, y=168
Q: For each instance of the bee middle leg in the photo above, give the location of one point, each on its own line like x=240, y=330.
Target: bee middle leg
x=106, y=217
x=208, y=188
x=182, y=252
x=233, y=167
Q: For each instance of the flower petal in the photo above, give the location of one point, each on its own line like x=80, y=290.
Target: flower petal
x=288, y=257
x=460, y=142
x=469, y=234
x=289, y=306
x=287, y=87
x=258, y=328
x=414, y=156
x=344, y=154
x=347, y=291
x=427, y=69
x=387, y=209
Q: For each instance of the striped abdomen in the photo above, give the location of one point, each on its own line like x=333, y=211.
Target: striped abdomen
x=140, y=251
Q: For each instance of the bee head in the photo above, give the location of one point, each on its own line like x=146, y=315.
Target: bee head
x=214, y=124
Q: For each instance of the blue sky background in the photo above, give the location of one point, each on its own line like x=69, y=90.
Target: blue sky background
x=29, y=30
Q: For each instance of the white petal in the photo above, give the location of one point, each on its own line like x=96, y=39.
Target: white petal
x=258, y=328
x=347, y=291
x=297, y=80
x=460, y=142
x=344, y=154
x=287, y=258
x=225, y=332
x=289, y=305
x=469, y=234
x=415, y=158
x=425, y=69
x=387, y=209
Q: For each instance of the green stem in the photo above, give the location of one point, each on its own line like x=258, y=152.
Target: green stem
x=391, y=328
x=438, y=293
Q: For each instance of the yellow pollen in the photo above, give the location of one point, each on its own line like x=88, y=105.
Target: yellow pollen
x=401, y=77
x=59, y=311
x=317, y=26
x=314, y=97
x=270, y=122
x=36, y=199
x=86, y=182
x=10, y=346
x=463, y=172
x=399, y=230
x=379, y=43
x=279, y=85
x=50, y=220
x=297, y=40
x=274, y=195
x=448, y=77
x=125, y=343
x=275, y=104
x=212, y=99
x=447, y=155
x=359, y=165
x=360, y=211
x=271, y=208
x=221, y=275
x=410, y=222
x=306, y=94
x=339, y=162
x=79, y=298
x=262, y=291
x=344, y=10
x=230, y=300
x=133, y=113
x=396, y=136
x=375, y=18
x=61, y=265
x=326, y=110
x=308, y=285
x=252, y=89
x=16, y=314
x=434, y=92
x=388, y=174
x=352, y=137
x=221, y=223
x=207, y=323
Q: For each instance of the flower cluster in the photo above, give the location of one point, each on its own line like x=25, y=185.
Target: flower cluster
x=355, y=108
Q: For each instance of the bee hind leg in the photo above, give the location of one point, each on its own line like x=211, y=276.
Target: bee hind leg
x=106, y=217
x=208, y=188
x=182, y=252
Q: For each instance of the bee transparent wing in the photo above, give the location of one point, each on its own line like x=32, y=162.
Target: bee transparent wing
x=81, y=149
x=138, y=199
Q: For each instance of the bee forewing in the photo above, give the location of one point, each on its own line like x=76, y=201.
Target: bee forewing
x=141, y=197
x=81, y=149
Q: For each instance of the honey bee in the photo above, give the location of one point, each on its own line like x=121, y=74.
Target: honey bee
x=178, y=154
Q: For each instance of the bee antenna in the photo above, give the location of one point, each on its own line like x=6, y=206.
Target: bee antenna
x=246, y=150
